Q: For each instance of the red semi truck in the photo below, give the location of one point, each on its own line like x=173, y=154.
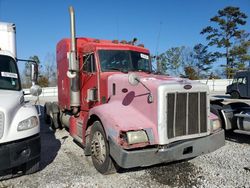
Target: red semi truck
x=122, y=113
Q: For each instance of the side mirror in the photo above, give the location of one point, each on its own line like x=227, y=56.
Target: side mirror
x=133, y=79
x=34, y=73
x=92, y=95
x=35, y=90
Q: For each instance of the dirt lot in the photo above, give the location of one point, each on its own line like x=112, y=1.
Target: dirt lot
x=63, y=164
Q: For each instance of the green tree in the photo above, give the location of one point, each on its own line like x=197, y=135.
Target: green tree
x=50, y=69
x=171, y=60
x=204, y=60
x=43, y=81
x=175, y=60
x=225, y=33
x=26, y=81
x=240, y=51
x=47, y=73
x=191, y=73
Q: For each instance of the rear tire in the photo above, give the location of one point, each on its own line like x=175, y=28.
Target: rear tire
x=54, y=121
x=100, y=152
x=46, y=117
x=51, y=115
x=235, y=95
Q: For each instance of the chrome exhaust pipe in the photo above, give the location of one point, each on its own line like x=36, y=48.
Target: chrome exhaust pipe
x=73, y=71
x=72, y=29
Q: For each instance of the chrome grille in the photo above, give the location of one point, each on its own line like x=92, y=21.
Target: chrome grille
x=186, y=114
x=1, y=124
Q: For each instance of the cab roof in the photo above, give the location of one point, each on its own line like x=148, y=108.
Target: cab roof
x=91, y=44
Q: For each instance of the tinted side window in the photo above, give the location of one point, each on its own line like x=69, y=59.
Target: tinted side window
x=234, y=80
x=9, y=77
x=89, y=63
x=242, y=80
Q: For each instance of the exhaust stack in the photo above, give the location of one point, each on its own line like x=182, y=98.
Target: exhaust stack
x=73, y=71
x=72, y=29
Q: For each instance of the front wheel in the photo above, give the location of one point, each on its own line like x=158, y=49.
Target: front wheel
x=100, y=150
x=235, y=95
x=32, y=166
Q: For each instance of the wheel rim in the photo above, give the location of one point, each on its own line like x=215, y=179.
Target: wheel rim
x=98, y=147
x=234, y=95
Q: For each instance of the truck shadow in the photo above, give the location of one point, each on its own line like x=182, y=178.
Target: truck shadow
x=238, y=138
x=174, y=174
x=222, y=96
x=177, y=174
x=50, y=145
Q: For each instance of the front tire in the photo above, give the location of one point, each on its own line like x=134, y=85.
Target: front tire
x=235, y=95
x=32, y=166
x=100, y=152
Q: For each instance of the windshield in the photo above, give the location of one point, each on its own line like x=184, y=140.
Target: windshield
x=124, y=60
x=8, y=74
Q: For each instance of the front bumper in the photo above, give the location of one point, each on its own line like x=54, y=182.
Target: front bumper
x=19, y=152
x=185, y=150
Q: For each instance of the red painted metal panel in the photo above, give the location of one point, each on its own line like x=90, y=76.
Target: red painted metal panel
x=84, y=46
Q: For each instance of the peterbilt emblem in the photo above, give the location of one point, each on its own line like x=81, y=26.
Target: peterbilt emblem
x=187, y=86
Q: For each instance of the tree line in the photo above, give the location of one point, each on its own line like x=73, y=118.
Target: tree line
x=232, y=43
x=47, y=76
x=225, y=35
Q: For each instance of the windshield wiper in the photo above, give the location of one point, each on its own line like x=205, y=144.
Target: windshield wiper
x=121, y=70
x=144, y=70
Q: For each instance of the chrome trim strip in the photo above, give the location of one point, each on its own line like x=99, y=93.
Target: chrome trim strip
x=173, y=87
x=174, y=118
x=187, y=114
x=1, y=124
x=199, y=113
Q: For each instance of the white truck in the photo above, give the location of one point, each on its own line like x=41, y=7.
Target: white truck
x=20, y=146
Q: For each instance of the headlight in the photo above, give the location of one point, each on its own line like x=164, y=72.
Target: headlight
x=216, y=124
x=27, y=123
x=134, y=137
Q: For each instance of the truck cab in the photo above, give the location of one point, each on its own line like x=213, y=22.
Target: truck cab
x=240, y=87
x=123, y=114
x=127, y=114
x=19, y=121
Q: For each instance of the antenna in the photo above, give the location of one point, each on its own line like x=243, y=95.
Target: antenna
x=157, y=47
x=0, y=9
x=117, y=27
x=158, y=40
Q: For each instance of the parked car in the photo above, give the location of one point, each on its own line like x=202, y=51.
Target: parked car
x=240, y=87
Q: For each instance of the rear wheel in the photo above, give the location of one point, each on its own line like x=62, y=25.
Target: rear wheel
x=54, y=121
x=235, y=95
x=51, y=115
x=46, y=117
x=100, y=150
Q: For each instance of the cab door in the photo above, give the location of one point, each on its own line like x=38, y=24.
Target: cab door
x=89, y=82
x=242, y=86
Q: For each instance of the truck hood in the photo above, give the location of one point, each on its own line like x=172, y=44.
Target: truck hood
x=154, y=81
x=128, y=107
x=10, y=103
x=13, y=110
x=10, y=100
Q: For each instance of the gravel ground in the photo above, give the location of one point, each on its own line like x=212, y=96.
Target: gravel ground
x=63, y=164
